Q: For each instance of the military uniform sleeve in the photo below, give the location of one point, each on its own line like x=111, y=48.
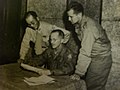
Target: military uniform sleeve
x=25, y=44
x=84, y=57
x=38, y=60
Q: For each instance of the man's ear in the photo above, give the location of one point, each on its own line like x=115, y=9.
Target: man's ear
x=62, y=40
x=79, y=15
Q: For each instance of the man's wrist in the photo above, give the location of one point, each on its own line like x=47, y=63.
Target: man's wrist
x=48, y=72
x=52, y=72
x=42, y=71
x=20, y=60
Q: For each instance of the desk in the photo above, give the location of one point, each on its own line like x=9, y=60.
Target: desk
x=11, y=78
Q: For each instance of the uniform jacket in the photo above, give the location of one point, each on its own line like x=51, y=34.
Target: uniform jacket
x=94, y=41
x=61, y=62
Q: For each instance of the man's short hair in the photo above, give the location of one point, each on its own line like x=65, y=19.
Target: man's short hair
x=34, y=14
x=77, y=7
x=60, y=32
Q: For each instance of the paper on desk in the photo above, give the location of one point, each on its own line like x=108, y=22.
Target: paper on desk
x=43, y=79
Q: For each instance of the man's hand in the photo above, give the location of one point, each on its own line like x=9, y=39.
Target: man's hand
x=20, y=61
x=75, y=77
x=43, y=71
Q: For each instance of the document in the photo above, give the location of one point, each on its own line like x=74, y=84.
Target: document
x=43, y=79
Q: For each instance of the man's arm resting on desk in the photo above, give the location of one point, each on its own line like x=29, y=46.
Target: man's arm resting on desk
x=40, y=71
x=28, y=67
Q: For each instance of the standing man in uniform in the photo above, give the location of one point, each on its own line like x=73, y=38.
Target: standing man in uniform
x=94, y=59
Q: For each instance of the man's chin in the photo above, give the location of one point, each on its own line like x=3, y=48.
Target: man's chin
x=53, y=47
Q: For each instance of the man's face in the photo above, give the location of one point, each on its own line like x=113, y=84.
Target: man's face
x=55, y=40
x=73, y=18
x=32, y=22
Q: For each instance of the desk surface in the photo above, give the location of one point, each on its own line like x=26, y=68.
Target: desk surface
x=11, y=78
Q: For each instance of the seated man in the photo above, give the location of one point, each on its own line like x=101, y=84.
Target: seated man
x=37, y=32
x=58, y=59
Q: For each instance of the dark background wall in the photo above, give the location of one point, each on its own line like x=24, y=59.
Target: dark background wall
x=10, y=11
x=111, y=23
x=48, y=10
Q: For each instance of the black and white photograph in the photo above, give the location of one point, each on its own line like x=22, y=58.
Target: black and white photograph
x=59, y=45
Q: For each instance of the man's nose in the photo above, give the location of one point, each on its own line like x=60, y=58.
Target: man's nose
x=51, y=41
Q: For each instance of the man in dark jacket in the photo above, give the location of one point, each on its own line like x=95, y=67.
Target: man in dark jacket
x=58, y=59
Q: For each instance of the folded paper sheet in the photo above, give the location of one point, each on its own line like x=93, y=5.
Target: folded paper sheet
x=43, y=79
